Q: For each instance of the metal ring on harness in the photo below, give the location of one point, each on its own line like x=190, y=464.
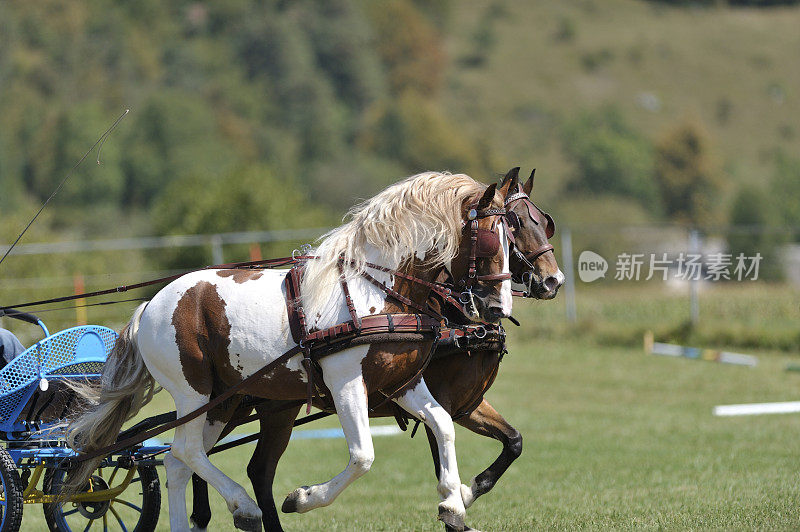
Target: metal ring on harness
x=305, y=249
x=527, y=277
x=478, y=334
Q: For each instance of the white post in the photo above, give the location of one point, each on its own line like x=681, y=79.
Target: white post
x=216, y=249
x=694, y=309
x=569, y=285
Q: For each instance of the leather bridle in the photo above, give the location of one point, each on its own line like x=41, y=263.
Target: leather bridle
x=524, y=274
x=483, y=243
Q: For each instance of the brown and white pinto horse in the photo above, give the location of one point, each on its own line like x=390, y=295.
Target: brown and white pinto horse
x=211, y=329
x=458, y=379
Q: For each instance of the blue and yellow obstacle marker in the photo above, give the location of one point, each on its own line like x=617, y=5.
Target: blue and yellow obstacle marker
x=696, y=353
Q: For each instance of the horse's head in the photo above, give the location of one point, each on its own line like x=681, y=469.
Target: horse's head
x=533, y=263
x=481, y=267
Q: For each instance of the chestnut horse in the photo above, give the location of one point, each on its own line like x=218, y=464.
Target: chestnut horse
x=211, y=329
x=458, y=382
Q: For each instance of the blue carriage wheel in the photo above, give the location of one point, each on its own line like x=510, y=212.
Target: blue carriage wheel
x=10, y=495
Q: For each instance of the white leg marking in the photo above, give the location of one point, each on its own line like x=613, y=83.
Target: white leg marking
x=468, y=493
x=342, y=373
x=421, y=404
x=178, y=475
x=188, y=447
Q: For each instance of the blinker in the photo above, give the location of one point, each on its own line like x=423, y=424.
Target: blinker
x=488, y=244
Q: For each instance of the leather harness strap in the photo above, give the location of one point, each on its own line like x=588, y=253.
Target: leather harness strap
x=390, y=323
x=350, y=307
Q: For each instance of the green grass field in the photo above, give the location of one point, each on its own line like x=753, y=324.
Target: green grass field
x=614, y=438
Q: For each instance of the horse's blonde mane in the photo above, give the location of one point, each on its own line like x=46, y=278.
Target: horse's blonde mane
x=416, y=215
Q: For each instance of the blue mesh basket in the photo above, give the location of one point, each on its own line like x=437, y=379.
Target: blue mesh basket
x=72, y=353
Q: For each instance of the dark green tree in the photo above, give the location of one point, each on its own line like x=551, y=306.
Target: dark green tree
x=610, y=157
x=687, y=177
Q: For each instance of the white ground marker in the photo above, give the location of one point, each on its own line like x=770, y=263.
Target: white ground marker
x=754, y=409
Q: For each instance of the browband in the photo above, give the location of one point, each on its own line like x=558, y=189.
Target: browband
x=514, y=197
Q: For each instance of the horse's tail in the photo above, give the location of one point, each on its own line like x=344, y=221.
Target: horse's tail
x=126, y=386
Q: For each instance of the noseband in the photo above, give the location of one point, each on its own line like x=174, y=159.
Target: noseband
x=527, y=259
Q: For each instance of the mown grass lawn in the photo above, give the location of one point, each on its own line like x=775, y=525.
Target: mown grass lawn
x=614, y=438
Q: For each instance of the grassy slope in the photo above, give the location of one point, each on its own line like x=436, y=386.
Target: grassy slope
x=691, y=59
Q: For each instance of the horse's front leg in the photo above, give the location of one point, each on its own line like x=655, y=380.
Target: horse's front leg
x=485, y=420
x=419, y=402
x=342, y=374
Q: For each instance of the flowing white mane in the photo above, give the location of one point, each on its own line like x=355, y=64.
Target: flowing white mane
x=416, y=215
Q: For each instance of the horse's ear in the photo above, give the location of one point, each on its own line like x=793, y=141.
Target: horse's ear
x=528, y=186
x=510, y=181
x=488, y=197
x=511, y=176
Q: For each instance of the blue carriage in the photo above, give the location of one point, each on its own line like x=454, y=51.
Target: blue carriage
x=36, y=401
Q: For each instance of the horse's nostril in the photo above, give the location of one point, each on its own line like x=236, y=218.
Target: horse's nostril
x=551, y=283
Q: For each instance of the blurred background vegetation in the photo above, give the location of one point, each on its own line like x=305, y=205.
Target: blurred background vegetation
x=275, y=114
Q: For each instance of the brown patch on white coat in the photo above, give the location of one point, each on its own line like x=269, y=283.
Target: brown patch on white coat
x=241, y=275
x=202, y=333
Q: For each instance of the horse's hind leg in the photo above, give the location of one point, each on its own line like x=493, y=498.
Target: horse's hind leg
x=485, y=420
x=342, y=374
x=419, y=402
x=178, y=475
x=188, y=447
x=276, y=429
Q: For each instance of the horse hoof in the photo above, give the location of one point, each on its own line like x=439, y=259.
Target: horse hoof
x=452, y=521
x=249, y=523
x=292, y=502
x=466, y=529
